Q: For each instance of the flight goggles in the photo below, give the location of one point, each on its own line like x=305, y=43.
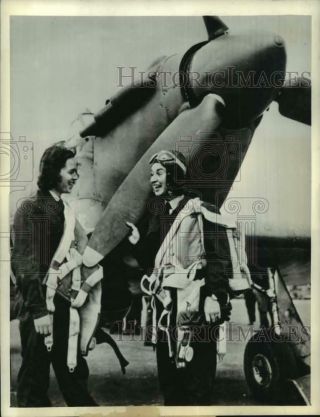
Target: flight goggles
x=167, y=156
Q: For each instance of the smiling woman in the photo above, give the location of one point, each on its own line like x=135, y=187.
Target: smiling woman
x=57, y=170
x=68, y=177
x=188, y=288
x=43, y=228
x=158, y=179
x=168, y=173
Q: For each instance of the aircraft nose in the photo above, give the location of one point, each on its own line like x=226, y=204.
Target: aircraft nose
x=246, y=70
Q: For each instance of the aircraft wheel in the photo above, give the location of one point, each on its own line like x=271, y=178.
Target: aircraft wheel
x=268, y=362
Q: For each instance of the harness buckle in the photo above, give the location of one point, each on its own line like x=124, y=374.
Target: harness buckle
x=185, y=351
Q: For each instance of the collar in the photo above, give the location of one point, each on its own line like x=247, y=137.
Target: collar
x=175, y=202
x=54, y=195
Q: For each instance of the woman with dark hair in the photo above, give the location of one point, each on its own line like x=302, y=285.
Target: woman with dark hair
x=52, y=161
x=188, y=283
x=39, y=227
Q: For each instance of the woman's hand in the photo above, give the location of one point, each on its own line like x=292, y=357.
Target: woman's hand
x=212, y=310
x=80, y=299
x=43, y=325
x=135, y=235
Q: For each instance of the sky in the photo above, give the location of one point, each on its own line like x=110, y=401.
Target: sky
x=62, y=66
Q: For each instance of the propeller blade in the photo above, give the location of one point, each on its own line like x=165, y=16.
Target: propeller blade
x=129, y=202
x=215, y=26
x=294, y=100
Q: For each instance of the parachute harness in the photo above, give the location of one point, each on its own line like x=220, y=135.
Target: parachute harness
x=67, y=260
x=172, y=276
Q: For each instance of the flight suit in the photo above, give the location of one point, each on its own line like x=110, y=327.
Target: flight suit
x=193, y=384
x=38, y=228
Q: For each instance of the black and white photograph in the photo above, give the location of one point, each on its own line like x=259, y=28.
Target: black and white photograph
x=159, y=211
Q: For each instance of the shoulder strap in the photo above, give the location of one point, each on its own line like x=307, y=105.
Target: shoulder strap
x=190, y=207
x=241, y=279
x=222, y=220
x=68, y=236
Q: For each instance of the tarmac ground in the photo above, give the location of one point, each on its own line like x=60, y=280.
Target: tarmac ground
x=139, y=386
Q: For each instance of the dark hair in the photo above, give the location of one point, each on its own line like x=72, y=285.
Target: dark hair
x=52, y=161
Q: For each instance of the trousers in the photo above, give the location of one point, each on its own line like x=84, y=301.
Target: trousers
x=192, y=385
x=250, y=301
x=34, y=374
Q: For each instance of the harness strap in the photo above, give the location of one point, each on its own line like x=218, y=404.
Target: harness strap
x=74, y=329
x=89, y=318
x=93, y=279
x=74, y=322
x=241, y=275
x=222, y=341
x=74, y=260
x=76, y=278
x=68, y=235
x=48, y=340
x=224, y=221
x=147, y=284
x=165, y=328
x=192, y=206
x=154, y=321
x=57, y=270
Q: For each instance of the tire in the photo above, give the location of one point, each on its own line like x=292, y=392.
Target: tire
x=269, y=361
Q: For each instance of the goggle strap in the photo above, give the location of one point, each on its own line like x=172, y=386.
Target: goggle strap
x=173, y=157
